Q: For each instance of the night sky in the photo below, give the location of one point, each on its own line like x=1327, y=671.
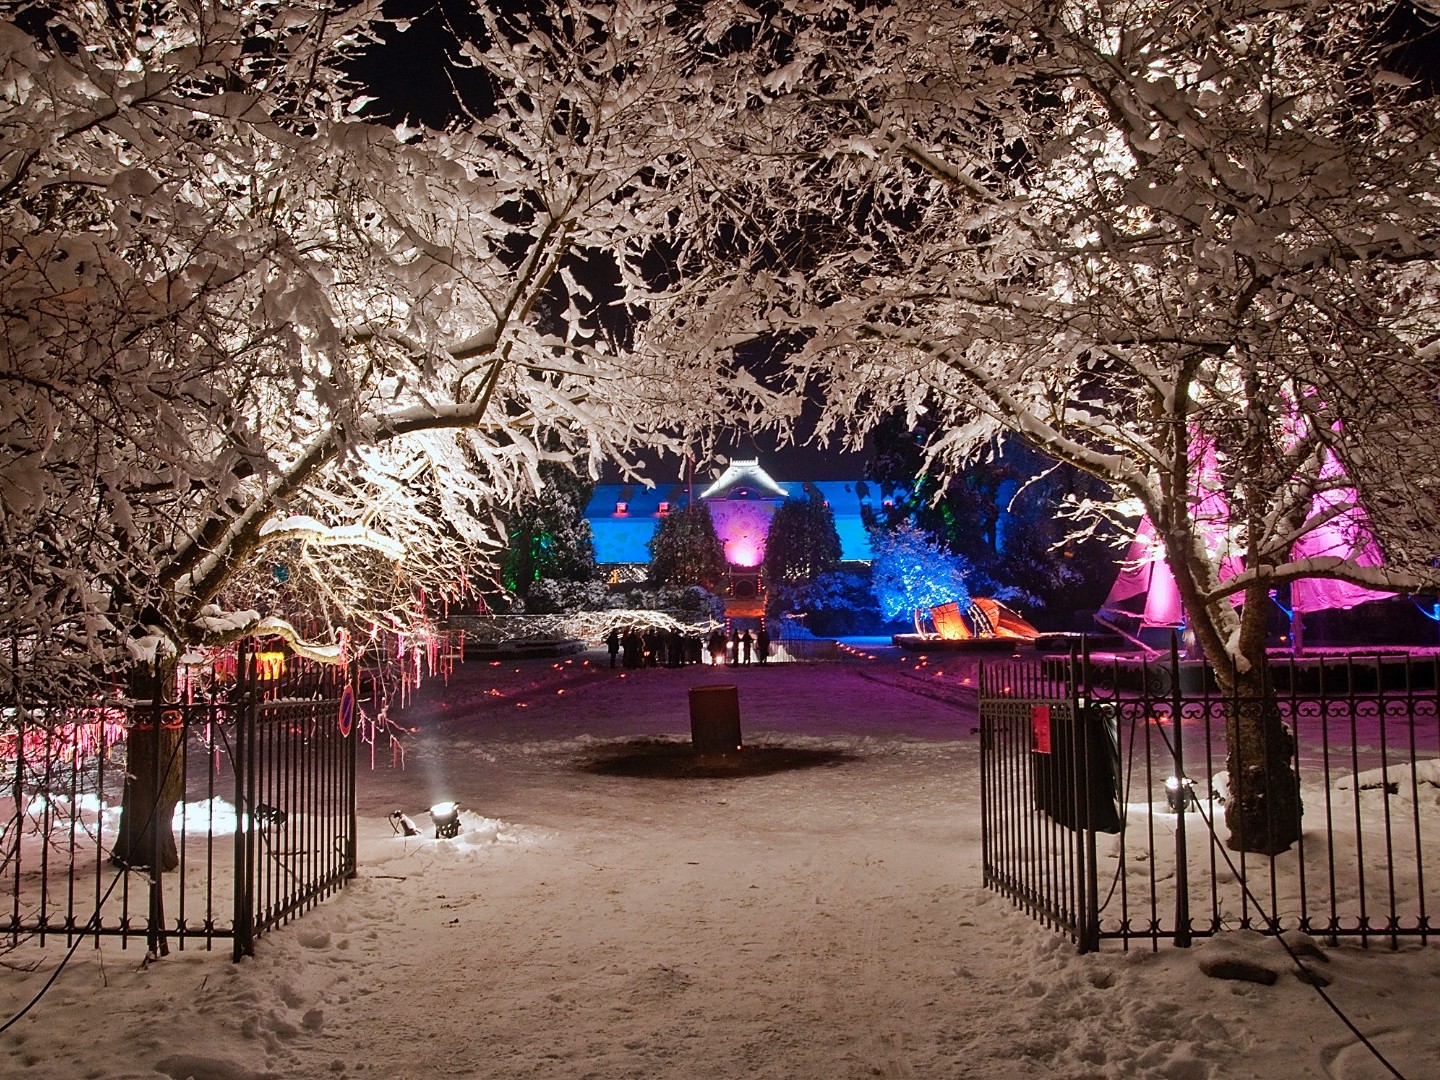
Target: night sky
x=414, y=80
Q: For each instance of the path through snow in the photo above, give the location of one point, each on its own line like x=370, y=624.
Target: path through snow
x=818, y=923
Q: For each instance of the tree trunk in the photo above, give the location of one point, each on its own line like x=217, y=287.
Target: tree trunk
x=1263, y=809
x=154, y=784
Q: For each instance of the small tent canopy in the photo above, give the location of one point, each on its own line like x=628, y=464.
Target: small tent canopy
x=984, y=618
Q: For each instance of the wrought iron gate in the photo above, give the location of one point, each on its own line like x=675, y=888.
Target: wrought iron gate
x=295, y=784
x=260, y=762
x=1037, y=745
x=1104, y=786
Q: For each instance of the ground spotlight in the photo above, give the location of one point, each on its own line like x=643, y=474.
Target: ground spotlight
x=403, y=824
x=446, y=816
x=1179, y=793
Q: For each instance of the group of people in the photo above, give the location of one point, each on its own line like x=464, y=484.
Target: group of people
x=636, y=647
x=740, y=648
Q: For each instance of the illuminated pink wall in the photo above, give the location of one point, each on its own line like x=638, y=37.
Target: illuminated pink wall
x=743, y=525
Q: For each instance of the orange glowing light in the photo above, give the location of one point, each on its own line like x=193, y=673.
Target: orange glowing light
x=269, y=665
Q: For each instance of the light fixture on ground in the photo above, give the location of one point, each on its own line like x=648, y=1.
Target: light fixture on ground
x=446, y=816
x=1179, y=793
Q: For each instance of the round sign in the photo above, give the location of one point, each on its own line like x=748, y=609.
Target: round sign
x=347, y=710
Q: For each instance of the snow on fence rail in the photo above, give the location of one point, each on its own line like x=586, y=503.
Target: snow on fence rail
x=1091, y=826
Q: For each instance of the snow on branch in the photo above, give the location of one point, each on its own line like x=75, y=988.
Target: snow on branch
x=1322, y=566
x=220, y=626
x=312, y=531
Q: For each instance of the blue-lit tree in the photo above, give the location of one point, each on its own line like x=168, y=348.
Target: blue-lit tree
x=913, y=574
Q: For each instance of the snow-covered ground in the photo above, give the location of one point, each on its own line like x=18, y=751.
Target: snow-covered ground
x=822, y=922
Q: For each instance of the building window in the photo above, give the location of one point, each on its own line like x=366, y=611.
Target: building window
x=663, y=509
x=621, y=509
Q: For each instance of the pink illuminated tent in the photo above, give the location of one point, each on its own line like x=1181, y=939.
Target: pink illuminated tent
x=1146, y=582
x=1145, y=595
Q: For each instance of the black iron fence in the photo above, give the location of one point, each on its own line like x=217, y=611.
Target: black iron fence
x=179, y=821
x=1105, y=786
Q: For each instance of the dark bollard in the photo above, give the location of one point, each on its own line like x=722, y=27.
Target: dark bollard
x=715, y=721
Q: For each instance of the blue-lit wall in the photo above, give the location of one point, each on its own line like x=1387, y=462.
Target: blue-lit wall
x=623, y=538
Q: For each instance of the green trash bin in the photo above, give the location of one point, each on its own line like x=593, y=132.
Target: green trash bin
x=715, y=721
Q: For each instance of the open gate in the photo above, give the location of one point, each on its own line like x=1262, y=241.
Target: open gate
x=1047, y=759
x=294, y=764
x=1104, y=787
x=259, y=763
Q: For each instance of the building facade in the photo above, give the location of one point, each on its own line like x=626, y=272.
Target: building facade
x=623, y=517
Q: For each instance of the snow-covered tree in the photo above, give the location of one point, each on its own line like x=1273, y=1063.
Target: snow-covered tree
x=243, y=327
x=686, y=549
x=260, y=353
x=1188, y=248
x=802, y=541
x=911, y=573
x=547, y=536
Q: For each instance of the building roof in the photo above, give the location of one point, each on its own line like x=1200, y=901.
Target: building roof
x=744, y=478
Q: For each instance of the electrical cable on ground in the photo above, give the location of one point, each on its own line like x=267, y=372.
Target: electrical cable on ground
x=1274, y=921
x=91, y=922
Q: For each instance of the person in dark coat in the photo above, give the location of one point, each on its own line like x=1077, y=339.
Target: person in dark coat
x=745, y=642
x=762, y=645
x=612, y=645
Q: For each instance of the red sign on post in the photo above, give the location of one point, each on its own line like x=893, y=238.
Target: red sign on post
x=1040, y=729
x=347, y=710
